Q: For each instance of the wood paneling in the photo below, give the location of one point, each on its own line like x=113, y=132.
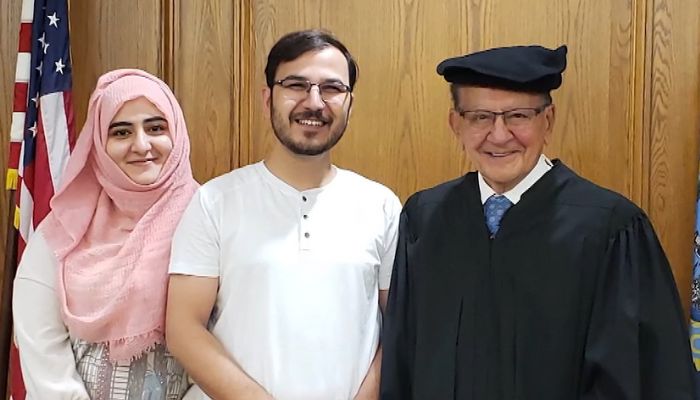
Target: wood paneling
x=674, y=131
x=188, y=44
x=243, y=50
x=627, y=113
x=10, y=11
x=107, y=35
x=9, y=23
x=593, y=132
x=399, y=133
x=204, y=83
x=614, y=124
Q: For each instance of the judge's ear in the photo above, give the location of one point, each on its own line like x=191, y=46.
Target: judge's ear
x=455, y=120
x=550, y=116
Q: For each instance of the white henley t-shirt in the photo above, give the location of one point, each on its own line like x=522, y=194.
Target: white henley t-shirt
x=299, y=274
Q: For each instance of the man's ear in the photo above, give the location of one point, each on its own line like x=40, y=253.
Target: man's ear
x=267, y=99
x=550, y=117
x=352, y=99
x=455, y=121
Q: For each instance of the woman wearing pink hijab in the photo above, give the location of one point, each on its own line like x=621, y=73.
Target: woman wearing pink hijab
x=89, y=297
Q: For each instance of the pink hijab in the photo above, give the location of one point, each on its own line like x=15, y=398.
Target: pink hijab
x=112, y=236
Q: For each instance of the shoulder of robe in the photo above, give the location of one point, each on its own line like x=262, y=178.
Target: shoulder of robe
x=436, y=195
x=621, y=210
x=428, y=208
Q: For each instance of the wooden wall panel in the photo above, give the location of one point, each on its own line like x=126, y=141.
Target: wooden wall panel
x=605, y=129
x=9, y=23
x=593, y=129
x=674, y=131
x=204, y=83
x=399, y=133
x=627, y=113
x=107, y=35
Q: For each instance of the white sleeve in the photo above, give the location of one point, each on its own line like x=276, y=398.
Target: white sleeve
x=392, y=213
x=195, y=248
x=45, y=352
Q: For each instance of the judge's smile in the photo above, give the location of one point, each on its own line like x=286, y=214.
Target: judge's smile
x=500, y=154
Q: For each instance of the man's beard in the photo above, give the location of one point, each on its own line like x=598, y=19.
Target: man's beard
x=282, y=131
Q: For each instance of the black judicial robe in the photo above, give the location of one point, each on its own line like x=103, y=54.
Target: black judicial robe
x=573, y=299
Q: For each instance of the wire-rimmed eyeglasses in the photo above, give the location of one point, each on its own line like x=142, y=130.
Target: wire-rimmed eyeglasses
x=299, y=88
x=482, y=120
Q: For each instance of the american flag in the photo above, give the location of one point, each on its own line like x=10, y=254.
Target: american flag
x=42, y=133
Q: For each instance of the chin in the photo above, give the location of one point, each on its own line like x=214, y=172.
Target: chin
x=142, y=181
x=498, y=177
x=144, y=178
x=503, y=177
x=307, y=151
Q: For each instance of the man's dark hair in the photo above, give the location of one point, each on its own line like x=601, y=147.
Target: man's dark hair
x=292, y=45
x=454, y=92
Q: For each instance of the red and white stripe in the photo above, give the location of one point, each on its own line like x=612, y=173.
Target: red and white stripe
x=37, y=181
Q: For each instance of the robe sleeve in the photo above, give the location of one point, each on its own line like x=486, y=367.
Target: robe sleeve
x=637, y=345
x=398, y=335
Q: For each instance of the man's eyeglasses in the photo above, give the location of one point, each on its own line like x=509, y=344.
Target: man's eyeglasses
x=331, y=91
x=517, y=118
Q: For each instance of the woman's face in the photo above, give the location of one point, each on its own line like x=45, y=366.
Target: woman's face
x=138, y=140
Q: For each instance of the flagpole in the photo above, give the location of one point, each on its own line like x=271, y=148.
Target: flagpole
x=6, y=302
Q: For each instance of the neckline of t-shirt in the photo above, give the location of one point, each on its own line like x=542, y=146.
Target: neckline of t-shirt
x=287, y=188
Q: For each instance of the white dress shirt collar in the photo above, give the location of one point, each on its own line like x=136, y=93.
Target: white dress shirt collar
x=542, y=167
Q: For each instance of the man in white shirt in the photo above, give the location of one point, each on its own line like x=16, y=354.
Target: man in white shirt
x=279, y=268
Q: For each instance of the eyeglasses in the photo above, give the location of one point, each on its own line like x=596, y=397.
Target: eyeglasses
x=298, y=89
x=517, y=118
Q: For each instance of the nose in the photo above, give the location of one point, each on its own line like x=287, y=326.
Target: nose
x=313, y=100
x=500, y=132
x=142, y=142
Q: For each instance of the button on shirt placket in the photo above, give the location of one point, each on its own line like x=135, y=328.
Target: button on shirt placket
x=305, y=231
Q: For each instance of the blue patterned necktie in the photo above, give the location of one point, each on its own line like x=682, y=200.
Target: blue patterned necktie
x=494, y=208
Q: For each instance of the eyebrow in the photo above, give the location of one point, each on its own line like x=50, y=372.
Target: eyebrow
x=147, y=120
x=153, y=119
x=303, y=78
